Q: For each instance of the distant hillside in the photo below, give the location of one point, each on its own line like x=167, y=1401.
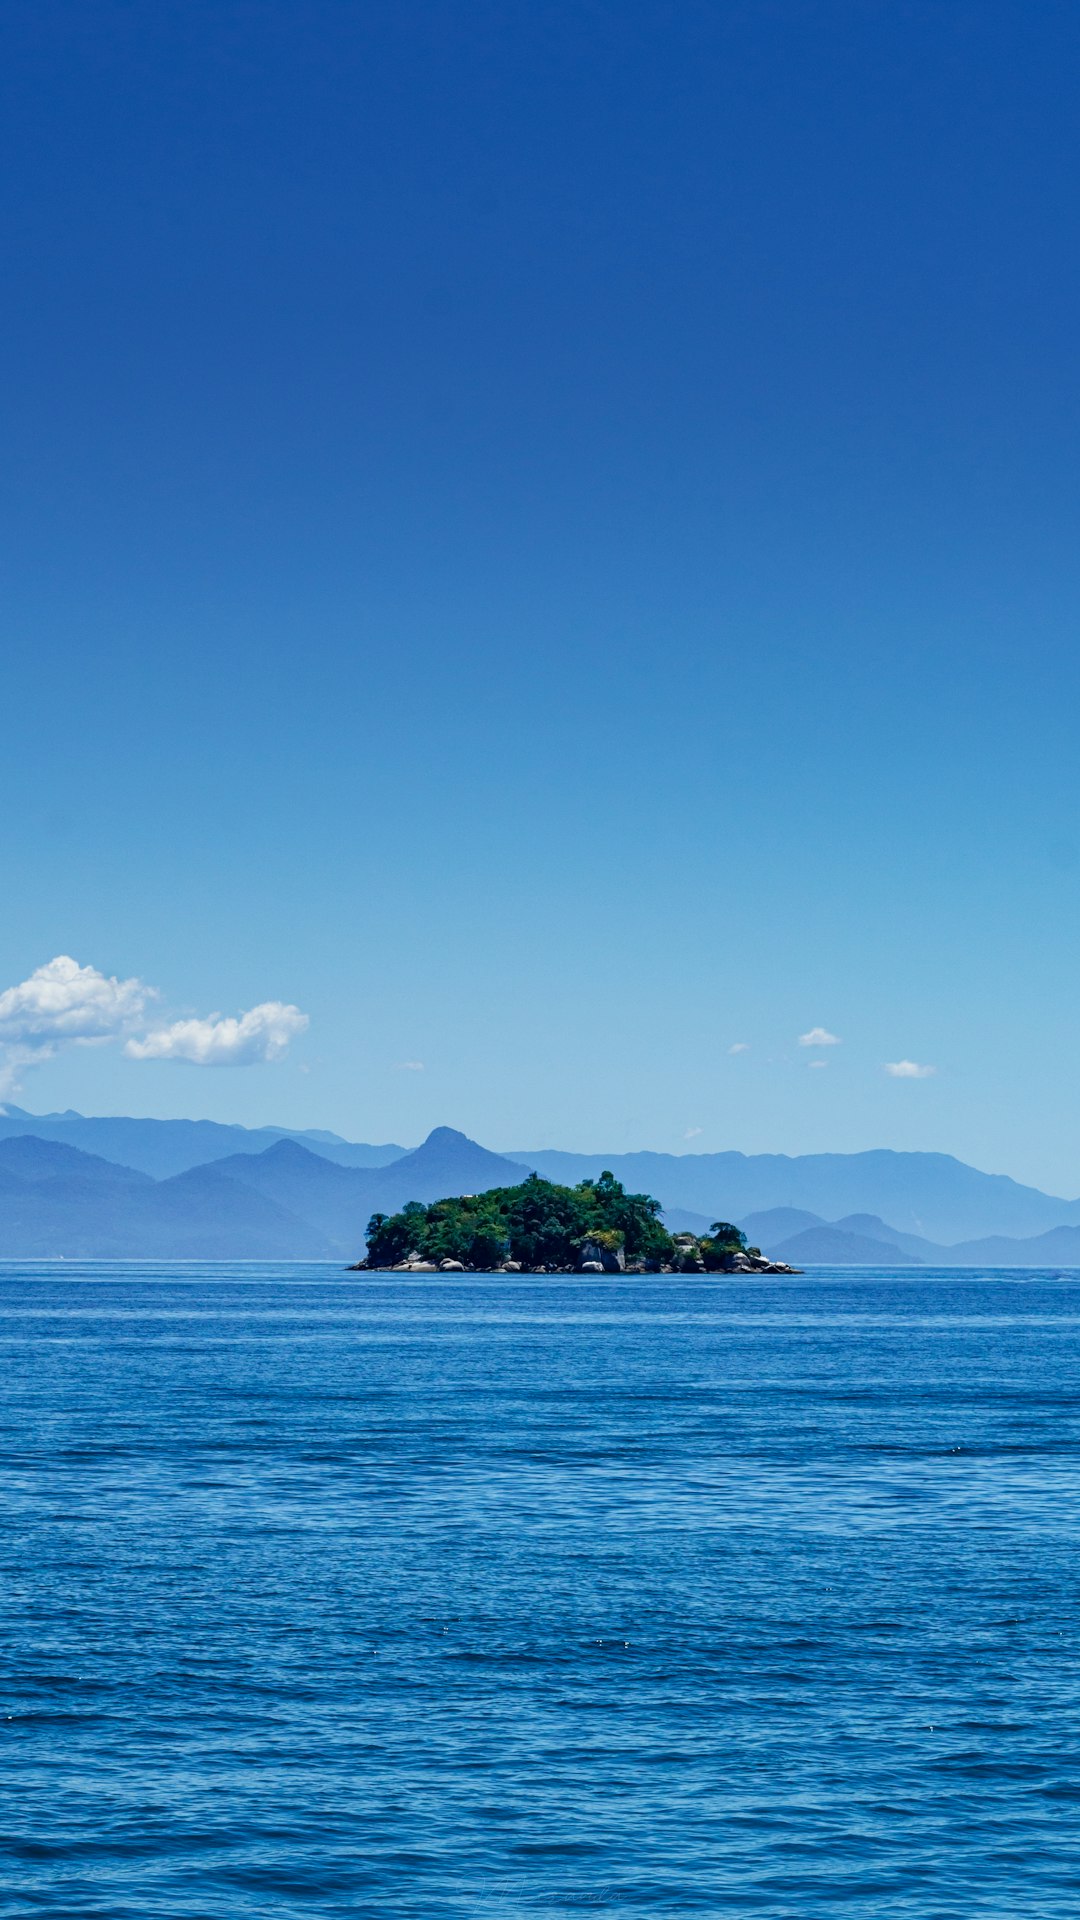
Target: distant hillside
x=864, y=1239
x=833, y=1247
x=1058, y=1248
x=681, y=1220
x=41, y=1161
x=163, y=1147
x=778, y=1228
x=56, y=1201
x=285, y=1203
x=347, y=1153
x=340, y=1201
x=873, y=1227
x=448, y=1163
x=289, y=1196
x=334, y=1201
x=777, y=1223
x=929, y=1194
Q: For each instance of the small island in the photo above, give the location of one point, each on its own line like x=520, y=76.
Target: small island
x=539, y=1227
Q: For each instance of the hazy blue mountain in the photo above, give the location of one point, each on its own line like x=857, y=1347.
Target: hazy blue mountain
x=339, y=1201
x=203, y=1215
x=286, y=1203
x=930, y=1194
x=873, y=1227
x=163, y=1147
x=347, y=1153
x=278, y=1195
x=831, y=1247
x=335, y=1200
x=681, y=1220
x=864, y=1239
x=40, y=1160
x=58, y=1202
x=781, y=1225
x=1058, y=1248
x=447, y=1163
x=766, y=1230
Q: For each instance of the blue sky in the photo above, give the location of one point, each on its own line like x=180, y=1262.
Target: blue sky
x=545, y=540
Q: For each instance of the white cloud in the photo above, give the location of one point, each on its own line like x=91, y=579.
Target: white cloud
x=820, y=1037
x=408, y=1066
x=63, y=1001
x=908, y=1070
x=818, y=1063
x=63, y=1004
x=692, y=1133
x=219, y=1040
x=741, y=1046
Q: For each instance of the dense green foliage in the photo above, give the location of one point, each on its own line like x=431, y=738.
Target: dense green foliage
x=539, y=1224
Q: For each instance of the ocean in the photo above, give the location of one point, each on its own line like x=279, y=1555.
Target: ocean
x=332, y=1595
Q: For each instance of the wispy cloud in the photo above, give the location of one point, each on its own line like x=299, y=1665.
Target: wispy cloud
x=740, y=1046
x=820, y=1037
x=908, y=1070
x=817, y=1063
x=223, y=1040
x=408, y=1066
x=692, y=1133
x=64, y=1004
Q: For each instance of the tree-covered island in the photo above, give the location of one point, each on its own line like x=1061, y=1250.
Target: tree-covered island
x=539, y=1227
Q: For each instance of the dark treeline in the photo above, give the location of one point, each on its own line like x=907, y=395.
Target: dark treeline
x=539, y=1225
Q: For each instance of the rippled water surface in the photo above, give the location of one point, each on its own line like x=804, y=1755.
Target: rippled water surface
x=323, y=1595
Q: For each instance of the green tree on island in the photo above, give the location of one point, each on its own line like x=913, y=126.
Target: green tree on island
x=540, y=1224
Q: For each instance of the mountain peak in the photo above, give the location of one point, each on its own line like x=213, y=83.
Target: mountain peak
x=449, y=1162
x=286, y=1151
x=448, y=1137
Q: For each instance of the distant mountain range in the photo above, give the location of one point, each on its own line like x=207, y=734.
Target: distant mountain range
x=283, y=1203
x=163, y=1147
x=923, y=1193
x=864, y=1239
x=120, y=1188
x=58, y=1201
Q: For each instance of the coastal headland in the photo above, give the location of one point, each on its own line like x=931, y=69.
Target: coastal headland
x=540, y=1227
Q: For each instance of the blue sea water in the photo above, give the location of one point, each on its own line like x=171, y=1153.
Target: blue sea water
x=325, y=1595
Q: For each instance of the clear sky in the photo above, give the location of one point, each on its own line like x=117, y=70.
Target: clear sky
x=544, y=537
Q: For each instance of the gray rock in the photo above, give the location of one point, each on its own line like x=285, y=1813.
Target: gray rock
x=756, y=1263
x=609, y=1262
x=451, y=1266
x=591, y=1266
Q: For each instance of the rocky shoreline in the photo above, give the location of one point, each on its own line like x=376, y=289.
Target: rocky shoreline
x=609, y=1264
